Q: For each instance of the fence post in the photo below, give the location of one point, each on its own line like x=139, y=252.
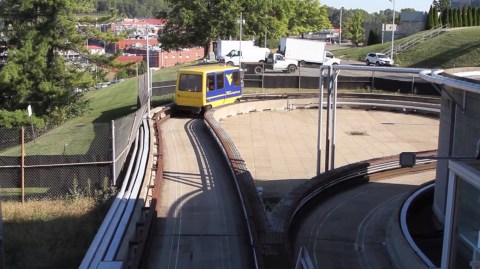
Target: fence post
x=114, y=168
x=22, y=164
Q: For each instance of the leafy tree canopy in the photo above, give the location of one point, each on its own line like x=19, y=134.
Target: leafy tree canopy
x=196, y=23
x=354, y=29
x=40, y=33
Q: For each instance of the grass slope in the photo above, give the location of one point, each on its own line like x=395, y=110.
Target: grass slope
x=457, y=47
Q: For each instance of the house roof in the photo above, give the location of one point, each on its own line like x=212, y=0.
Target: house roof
x=129, y=42
x=125, y=59
x=94, y=47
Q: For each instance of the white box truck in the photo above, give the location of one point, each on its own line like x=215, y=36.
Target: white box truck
x=252, y=54
x=306, y=51
x=223, y=47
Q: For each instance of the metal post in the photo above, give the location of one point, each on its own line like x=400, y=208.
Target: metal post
x=22, y=165
x=393, y=26
x=299, y=77
x=334, y=116
x=413, y=84
x=327, y=132
x=148, y=76
x=340, y=34
x=114, y=167
x=320, y=123
x=373, y=81
x=240, y=51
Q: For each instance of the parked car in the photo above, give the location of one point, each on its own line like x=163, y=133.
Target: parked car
x=102, y=85
x=378, y=59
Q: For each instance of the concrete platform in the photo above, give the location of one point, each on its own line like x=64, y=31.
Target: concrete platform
x=280, y=147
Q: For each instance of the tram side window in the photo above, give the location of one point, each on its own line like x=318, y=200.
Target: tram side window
x=190, y=83
x=211, y=82
x=220, y=81
x=236, y=78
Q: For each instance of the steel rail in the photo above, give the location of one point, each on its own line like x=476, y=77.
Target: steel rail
x=433, y=76
x=375, y=166
x=109, y=238
x=100, y=236
x=231, y=154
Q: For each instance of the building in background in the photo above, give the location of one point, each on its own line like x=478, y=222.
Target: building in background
x=462, y=3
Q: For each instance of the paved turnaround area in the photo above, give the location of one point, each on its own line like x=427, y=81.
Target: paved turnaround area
x=280, y=147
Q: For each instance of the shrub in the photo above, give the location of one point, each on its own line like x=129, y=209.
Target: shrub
x=10, y=119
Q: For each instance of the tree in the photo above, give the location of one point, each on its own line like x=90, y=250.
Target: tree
x=474, y=16
x=446, y=16
x=373, y=37
x=477, y=11
x=459, y=21
x=430, y=23
x=37, y=72
x=470, y=16
x=441, y=4
x=451, y=17
x=309, y=16
x=435, y=19
x=354, y=29
x=196, y=23
x=464, y=17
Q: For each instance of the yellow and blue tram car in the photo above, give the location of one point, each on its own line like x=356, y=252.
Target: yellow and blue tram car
x=200, y=88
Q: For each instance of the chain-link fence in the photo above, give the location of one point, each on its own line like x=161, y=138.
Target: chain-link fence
x=54, y=161
x=37, y=163
x=143, y=93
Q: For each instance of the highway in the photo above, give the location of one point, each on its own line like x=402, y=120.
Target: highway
x=349, y=230
x=200, y=223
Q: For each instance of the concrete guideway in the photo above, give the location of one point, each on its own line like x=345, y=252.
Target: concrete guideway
x=199, y=223
x=350, y=229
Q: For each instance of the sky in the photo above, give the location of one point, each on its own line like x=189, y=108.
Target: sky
x=376, y=5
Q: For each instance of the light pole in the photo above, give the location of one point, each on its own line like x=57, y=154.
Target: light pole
x=340, y=38
x=393, y=27
x=241, y=22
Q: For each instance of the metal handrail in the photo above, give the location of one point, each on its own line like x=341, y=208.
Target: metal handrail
x=109, y=238
x=412, y=42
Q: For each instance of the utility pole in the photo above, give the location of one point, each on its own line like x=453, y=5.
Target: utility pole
x=340, y=38
x=393, y=27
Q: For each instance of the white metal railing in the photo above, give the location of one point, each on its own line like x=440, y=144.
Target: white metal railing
x=110, y=235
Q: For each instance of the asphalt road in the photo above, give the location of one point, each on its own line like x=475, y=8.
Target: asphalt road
x=200, y=223
x=313, y=70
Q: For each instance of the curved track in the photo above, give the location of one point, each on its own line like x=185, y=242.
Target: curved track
x=336, y=236
x=199, y=221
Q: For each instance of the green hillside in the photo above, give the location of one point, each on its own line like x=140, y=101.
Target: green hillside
x=457, y=47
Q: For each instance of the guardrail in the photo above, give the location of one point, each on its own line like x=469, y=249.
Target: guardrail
x=110, y=237
x=333, y=178
x=252, y=206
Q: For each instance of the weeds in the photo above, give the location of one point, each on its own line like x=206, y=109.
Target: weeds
x=100, y=195
x=49, y=233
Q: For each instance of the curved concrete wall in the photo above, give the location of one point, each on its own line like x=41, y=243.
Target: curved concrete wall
x=247, y=107
x=458, y=136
